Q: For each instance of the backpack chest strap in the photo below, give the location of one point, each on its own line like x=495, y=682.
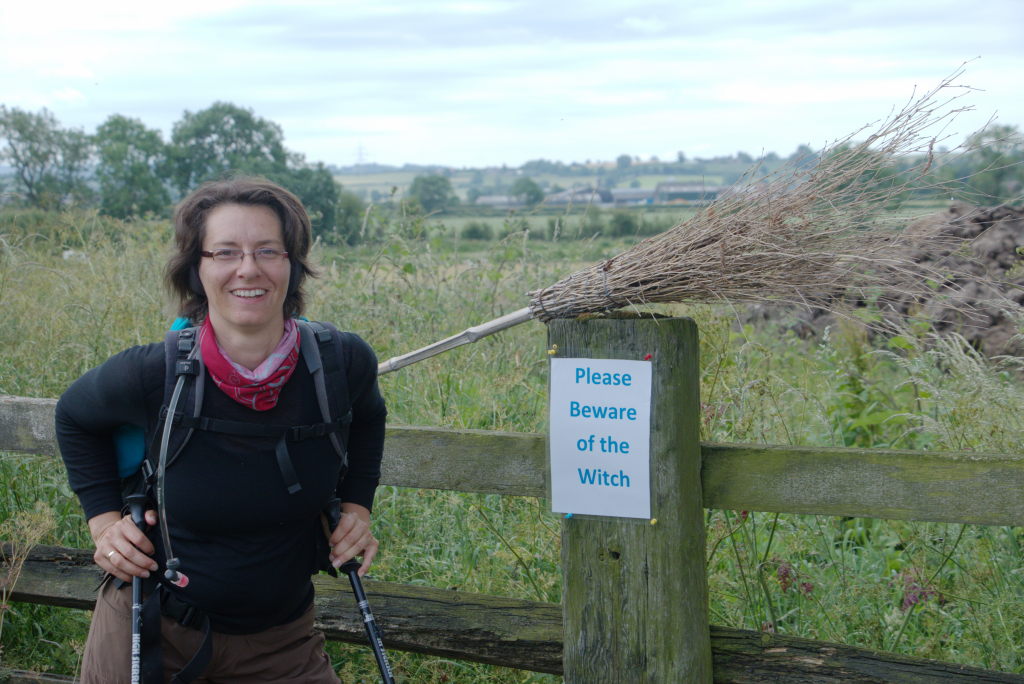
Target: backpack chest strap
x=291, y=433
x=283, y=434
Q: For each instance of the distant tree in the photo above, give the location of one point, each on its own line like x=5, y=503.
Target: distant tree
x=878, y=174
x=622, y=223
x=539, y=166
x=476, y=230
x=351, y=214
x=623, y=161
x=526, y=189
x=591, y=223
x=225, y=139
x=803, y=157
x=313, y=184
x=744, y=158
x=32, y=148
x=49, y=162
x=994, y=167
x=221, y=139
x=681, y=157
x=76, y=156
x=129, y=169
x=433, y=193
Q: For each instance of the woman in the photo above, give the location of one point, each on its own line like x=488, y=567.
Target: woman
x=246, y=542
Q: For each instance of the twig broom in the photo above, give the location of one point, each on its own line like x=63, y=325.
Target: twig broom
x=799, y=235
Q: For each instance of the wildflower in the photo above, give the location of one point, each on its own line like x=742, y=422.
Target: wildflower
x=786, y=575
x=915, y=591
x=807, y=588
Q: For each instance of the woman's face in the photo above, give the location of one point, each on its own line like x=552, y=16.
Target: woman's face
x=246, y=296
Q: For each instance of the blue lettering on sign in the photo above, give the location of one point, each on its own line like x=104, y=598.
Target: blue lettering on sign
x=589, y=376
x=578, y=410
x=601, y=477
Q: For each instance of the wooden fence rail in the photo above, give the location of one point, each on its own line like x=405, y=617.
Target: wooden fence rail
x=517, y=633
x=659, y=646
x=880, y=483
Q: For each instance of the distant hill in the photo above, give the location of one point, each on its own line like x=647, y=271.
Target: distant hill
x=380, y=181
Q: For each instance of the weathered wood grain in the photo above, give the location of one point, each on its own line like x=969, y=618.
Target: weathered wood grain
x=747, y=657
x=985, y=489
x=485, y=461
x=432, y=621
x=26, y=425
x=620, y=575
x=487, y=629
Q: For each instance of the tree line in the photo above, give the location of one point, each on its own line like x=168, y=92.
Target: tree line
x=126, y=169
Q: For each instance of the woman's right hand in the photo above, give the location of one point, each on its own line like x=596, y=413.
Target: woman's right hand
x=122, y=549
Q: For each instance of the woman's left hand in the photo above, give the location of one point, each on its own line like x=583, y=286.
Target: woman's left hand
x=352, y=537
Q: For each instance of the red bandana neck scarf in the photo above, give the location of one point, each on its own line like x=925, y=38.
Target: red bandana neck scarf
x=256, y=389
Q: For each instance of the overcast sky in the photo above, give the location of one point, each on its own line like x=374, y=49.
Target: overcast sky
x=487, y=82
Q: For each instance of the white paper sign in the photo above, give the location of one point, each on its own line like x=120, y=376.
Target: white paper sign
x=600, y=418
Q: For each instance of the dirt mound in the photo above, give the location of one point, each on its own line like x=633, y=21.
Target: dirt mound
x=985, y=282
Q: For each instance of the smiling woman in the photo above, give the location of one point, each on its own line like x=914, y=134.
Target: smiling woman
x=242, y=498
x=245, y=294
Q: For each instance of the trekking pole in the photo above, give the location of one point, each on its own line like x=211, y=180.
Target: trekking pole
x=136, y=506
x=351, y=568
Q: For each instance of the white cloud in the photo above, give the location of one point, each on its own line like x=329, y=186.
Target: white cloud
x=650, y=25
x=69, y=95
x=490, y=81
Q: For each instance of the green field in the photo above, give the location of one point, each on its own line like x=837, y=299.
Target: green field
x=384, y=183
x=952, y=592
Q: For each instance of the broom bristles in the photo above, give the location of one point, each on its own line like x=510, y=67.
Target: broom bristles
x=808, y=234
x=797, y=235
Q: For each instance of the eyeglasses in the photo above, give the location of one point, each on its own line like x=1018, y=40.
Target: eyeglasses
x=263, y=255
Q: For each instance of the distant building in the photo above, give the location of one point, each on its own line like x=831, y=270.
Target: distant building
x=587, y=196
x=623, y=197
x=498, y=201
x=686, y=193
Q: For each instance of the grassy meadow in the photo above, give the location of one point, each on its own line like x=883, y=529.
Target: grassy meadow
x=76, y=288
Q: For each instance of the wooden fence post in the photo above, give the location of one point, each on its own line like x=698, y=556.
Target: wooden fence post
x=634, y=603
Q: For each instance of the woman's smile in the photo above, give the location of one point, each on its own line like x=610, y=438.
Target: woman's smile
x=245, y=295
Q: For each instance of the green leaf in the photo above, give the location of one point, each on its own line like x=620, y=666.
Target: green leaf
x=900, y=342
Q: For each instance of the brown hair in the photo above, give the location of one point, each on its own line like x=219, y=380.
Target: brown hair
x=182, y=271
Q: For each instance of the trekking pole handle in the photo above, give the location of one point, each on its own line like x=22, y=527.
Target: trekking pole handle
x=333, y=513
x=137, y=509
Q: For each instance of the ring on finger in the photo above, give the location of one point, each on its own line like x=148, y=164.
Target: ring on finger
x=111, y=553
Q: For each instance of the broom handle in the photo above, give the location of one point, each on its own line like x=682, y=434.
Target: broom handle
x=467, y=336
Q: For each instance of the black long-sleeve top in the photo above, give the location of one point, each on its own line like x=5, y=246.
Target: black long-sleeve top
x=247, y=545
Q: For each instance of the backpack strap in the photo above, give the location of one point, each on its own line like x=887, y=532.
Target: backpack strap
x=321, y=353
x=181, y=358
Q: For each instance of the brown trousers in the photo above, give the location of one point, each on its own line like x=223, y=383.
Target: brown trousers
x=287, y=654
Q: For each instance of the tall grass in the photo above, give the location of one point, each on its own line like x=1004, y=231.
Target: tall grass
x=947, y=591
